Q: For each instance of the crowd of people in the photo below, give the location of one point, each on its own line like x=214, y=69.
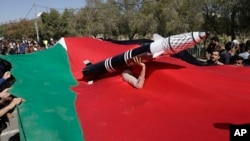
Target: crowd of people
x=12, y=47
x=230, y=53
x=8, y=102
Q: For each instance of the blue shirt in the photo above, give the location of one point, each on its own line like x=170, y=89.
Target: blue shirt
x=22, y=48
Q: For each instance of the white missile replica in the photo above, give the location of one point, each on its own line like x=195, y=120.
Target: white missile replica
x=147, y=52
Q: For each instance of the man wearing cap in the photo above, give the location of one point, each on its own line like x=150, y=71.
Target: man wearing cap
x=236, y=45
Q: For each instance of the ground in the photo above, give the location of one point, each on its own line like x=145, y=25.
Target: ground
x=12, y=132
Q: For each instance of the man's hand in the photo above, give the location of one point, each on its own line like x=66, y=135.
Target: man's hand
x=6, y=75
x=5, y=93
x=15, y=102
x=138, y=61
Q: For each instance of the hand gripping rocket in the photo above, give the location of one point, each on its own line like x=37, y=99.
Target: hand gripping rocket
x=147, y=52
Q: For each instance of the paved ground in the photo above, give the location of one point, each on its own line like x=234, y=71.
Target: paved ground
x=12, y=132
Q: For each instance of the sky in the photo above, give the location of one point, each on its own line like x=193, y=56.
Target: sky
x=11, y=10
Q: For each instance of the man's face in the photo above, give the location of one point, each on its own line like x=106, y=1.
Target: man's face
x=236, y=47
x=238, y=63
x=215, y=56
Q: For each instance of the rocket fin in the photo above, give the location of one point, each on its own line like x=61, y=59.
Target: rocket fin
x=90, y=82
x=87, y=62
x=157, y=37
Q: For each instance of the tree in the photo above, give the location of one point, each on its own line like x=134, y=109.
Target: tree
x=108, y=16
x=222, y=16
x=72, y=22
x=86, y=22
x=51, y=25
x=244, y=18
x=67, y=19
x=2, y=27
x=128, y=24
x=19, y=30
x=132, y=19
x=145, y=18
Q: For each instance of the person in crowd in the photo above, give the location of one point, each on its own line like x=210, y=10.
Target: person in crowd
x=5, y=76
x=236, y=44
x=30, y=48
x=5, y=91
x=7, y=108
x=130, y=78
x=214, y=44
x=247, y=61
x=246, y=52
x=215, y=57
x=13, y=50
x=239, y=61
x=14, y=102
x=22, y=48
x=242, y=48
x=8, y=103
x=222, y=49
x=229, y=56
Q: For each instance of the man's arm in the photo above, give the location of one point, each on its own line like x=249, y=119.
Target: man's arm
x=141, y=78
x=13, y=103
x=6, y=75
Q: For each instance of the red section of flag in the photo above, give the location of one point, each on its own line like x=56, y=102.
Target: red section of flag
x=179, y=101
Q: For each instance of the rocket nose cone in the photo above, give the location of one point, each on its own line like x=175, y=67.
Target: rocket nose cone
x=203, y=34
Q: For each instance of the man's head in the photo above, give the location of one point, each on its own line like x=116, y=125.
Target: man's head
x=236, y=44
x=215, y=40
x=248, y=49
x=228, y=46
x=231, y=46
x=239, y=61
x=215, y=56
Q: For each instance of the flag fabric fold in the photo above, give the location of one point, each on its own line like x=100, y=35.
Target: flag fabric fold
x=179, y=101
x=44, y=79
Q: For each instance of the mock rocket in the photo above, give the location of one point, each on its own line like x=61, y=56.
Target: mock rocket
x=147, y=52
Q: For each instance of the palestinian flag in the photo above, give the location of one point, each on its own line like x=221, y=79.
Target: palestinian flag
x=179, y=101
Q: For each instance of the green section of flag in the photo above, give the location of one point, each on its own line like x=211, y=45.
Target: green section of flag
x=44, y=79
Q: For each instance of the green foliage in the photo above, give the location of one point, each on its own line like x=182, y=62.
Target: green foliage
x=137, y=19
x=2, y=30
x=18, y=30
x=51, y=25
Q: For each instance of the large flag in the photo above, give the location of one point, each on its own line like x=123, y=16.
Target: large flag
x=179, y=101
